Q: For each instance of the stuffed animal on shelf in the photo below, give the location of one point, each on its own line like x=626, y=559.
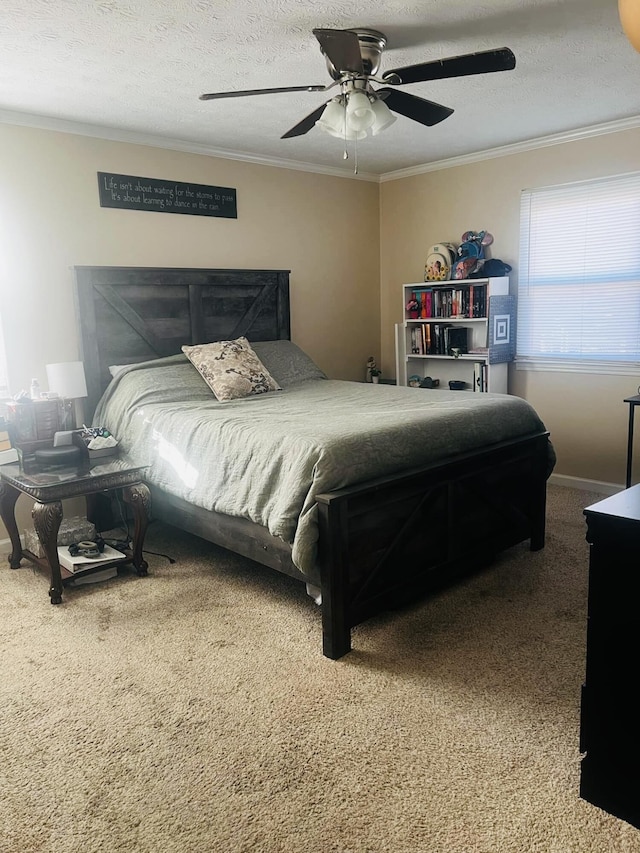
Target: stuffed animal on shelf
x=471, y=253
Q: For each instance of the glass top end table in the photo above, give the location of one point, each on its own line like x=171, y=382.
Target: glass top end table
x=48, y=488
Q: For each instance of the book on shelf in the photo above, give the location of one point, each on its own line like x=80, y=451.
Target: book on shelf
x=480, y=376
x=439, y=345
x=456, y=337
x=82, y=578
x=82, y=564
x=449, y=300
x=431, y=339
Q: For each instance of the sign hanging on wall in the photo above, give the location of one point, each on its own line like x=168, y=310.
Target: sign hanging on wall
x=134, y=193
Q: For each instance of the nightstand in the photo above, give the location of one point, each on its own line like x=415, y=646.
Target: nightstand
x=49, y=488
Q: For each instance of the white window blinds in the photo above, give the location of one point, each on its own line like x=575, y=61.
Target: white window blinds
x=579, y=276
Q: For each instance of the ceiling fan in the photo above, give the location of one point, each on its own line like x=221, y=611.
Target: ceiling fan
x=353, y=60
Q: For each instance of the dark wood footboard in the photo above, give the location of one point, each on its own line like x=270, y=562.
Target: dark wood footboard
x=386, y=542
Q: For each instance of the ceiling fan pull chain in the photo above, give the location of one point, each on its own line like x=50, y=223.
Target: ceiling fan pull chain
x=345, y=153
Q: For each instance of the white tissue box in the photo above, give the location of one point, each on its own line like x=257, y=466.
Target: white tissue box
x=102, y=446
x=101, y=452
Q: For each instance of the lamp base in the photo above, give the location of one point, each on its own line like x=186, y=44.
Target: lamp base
x=66, y=414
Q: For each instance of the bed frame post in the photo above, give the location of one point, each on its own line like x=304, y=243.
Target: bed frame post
x=334, y=577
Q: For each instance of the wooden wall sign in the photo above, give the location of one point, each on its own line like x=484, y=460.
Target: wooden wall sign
x=134, y=193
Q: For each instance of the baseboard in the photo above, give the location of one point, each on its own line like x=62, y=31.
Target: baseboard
x=586, y=485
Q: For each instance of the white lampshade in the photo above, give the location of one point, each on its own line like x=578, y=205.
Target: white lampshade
x=333, y=119
x=67, y=379
x=360, y=116
x=629, y=11
x=383, y=117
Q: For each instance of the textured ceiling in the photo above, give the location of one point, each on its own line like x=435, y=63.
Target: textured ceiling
x=139, y=66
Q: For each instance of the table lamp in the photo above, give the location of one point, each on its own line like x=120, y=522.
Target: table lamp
x=67, y=380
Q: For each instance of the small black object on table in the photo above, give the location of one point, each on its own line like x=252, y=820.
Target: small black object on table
x=49, y=488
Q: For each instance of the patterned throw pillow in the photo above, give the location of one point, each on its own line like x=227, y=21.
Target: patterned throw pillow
x=231, y=369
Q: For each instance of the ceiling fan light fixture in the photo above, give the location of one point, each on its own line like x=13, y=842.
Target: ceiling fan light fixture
x=332, y=119
x=334, y=122
x=350, y=135
x=360, y=115
x=344, y=133
x=383, y=117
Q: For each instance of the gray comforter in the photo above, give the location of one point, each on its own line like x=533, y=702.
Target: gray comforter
x=266, y=457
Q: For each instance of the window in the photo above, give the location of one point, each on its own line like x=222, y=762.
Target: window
x=579, y=277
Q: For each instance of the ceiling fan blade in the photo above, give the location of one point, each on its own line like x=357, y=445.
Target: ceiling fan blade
x=418, y=109
x=501, y=59
x=342, y=48
x=306, y=124
x=211, y=96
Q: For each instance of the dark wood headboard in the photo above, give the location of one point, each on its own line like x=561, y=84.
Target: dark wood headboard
x=130, y=314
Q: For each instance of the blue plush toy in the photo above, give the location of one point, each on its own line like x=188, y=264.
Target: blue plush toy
x=471, y=253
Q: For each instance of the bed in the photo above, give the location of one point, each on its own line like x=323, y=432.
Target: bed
x=371, y=495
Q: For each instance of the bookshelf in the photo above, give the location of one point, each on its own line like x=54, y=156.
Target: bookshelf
x=474, y=318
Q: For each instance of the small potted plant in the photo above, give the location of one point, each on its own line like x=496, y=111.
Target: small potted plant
x=373, y=372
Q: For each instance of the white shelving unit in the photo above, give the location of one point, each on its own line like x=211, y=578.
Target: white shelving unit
x=491, y=335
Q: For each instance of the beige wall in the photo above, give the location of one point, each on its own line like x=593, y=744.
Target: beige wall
x=324, y=229
x=585, y=413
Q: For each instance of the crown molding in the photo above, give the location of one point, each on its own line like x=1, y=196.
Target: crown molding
x=115, y=135
x=516, y=148
x=132, y=138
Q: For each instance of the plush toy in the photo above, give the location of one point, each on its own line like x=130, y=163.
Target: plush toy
x=471, y=253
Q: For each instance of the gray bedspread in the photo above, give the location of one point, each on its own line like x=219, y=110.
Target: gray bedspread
x=266, y=457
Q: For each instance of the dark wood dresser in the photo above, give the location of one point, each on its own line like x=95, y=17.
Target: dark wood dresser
x=610, y=712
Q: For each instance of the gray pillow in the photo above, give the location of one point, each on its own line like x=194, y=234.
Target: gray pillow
x=286, y=362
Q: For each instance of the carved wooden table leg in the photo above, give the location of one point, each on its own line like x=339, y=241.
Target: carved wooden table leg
x=46, y=520
x=139, y=498
x=8, y=498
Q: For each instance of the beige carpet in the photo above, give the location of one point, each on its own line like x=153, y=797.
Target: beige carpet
x=193, y=711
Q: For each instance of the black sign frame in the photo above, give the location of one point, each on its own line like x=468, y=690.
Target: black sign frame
x=130, y=192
